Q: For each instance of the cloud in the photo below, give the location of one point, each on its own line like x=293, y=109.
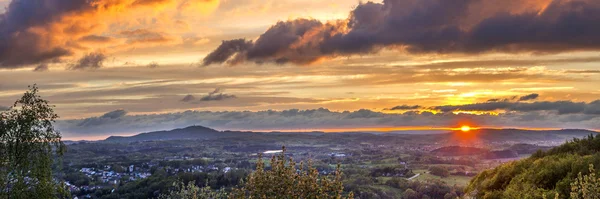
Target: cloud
x=226, y=50
x=188, y=98
x=35, y=32
x=433, y=26
x=529, y=97
x=559, y=107
x=89, y=61
x=217, y=95
x=296, y=119
x=41, y=67
x=405, y=107
x=114, y=114
x=104, y=119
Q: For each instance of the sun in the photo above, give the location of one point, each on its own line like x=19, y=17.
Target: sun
x=465, y=128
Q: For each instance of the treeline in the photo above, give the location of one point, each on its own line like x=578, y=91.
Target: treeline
x=545, y=174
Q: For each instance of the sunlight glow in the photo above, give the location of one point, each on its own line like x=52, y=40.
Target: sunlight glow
x=465, y=128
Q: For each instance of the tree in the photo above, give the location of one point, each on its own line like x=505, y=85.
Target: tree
x=285, y=180
x=439, y=171
x=410, y=194
x=586, y=187
x=191, y=191
x=28, y=146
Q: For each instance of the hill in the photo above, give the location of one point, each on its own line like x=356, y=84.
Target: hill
x=544, y=173
x=188, y=133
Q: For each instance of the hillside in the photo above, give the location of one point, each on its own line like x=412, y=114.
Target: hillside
x=458, y=151
x=544, y=173
x=188, y=133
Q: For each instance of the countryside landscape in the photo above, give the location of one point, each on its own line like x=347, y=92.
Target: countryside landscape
x=299, y=99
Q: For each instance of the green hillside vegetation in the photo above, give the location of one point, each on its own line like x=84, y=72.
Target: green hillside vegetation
x=543, y=175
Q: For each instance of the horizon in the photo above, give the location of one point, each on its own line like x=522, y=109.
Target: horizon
x=392, y=130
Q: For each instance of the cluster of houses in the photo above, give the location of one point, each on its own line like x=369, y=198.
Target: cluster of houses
x=108, y=176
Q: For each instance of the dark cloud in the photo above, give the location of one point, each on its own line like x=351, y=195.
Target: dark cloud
x=433, y=26
x=217, y=95
x=560, y=107
x=89, y=61
x=19, y=44
x=226, y=50
x=364, y=113
x=114, y=114
x=496, y=100
x=188, y=98
x=41, y=31
x=106, y=118
x=41, y=67
x=529, y=97
x=405, y=107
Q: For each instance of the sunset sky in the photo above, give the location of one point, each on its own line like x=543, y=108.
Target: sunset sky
x=116, y=67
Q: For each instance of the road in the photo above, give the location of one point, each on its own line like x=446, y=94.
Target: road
x=415, y=176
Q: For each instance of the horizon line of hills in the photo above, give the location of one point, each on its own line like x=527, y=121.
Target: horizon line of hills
x=205, y=133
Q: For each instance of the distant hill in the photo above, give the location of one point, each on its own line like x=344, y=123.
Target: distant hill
x=188, y=133
x=493, y=135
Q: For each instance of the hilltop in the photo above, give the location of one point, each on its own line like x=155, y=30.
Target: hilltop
x=188, y=133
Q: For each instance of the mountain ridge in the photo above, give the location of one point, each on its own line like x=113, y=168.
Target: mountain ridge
x=201, y=132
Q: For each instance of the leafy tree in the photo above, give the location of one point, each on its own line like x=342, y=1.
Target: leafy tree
x=439, y=171
x=28, y=146
x=587, y=186
x=410, y=194
x=286, y=180
x=191, y=191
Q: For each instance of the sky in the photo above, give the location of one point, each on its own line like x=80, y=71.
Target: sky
x=120, y=67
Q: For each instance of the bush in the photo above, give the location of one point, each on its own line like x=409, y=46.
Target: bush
x=439, y=171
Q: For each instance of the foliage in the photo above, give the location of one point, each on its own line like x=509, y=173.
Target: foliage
x=586, y=186
x=286, y=180
x=191, y=191
x=543, y=174
x=28, y=146
x=439, y=171
x=150, y=187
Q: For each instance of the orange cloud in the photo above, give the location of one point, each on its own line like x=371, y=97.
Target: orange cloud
x=58, y=29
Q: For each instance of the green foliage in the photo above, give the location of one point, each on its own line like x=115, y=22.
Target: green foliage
x=191, y=191
x=28, y=146
x=544, y=174
x=149, y=187
x=439, y=171
x=283, y=180
x=586, y=186
x=286, y=180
